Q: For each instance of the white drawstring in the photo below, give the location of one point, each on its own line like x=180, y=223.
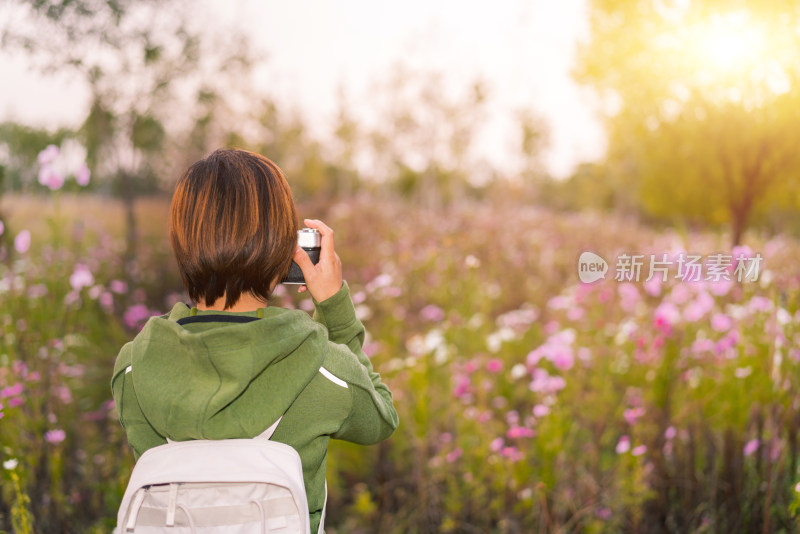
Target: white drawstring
x=263, y=516
x=188, y=518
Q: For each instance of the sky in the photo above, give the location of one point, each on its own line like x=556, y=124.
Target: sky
x=316, y=50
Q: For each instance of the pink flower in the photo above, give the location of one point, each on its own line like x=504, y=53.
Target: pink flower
x=631, y=415
x=541, y=410
x=603, y=513
x=562, y=359
x=727, y=342
x=680, y=294
x=2, y=228
x=431, y=313
x=760, y=304
x=135, y=315
x=653, y=286
x=750, y=447
x=55, y=436
x=575, y=313
x=496, y=444
x=556, y=383
x=22, y=242
x=382, y=280
x=702, y=345
x=533, y=357
x=721, y=322
x=72, y=298
x=37, y=291
x=462, y=388
x=392, y=291
x=15, y=401
x=454, y=455
x=511, y=453
x=118, y=286
x=544, y=383
x=83, y=175
x=665, y=316
x=11, y=391
x=670, y=433
x=700, y=306
x=720, y=287
x=629, y=296
x=559, y=302
x=557, y=349
x=742, y=251
x=516, y=432
x=64, y=394
x=624, y=445
x=107, y=302
x=50, y=177
x=48, y=155
x=495, y=365
x=640, y=450
x=81, y=277
x=512, y=417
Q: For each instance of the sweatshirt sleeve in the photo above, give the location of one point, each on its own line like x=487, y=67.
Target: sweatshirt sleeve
x=141, y=436
x=372, y=417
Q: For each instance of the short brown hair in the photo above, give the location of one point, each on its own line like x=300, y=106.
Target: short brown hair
x=233, y=226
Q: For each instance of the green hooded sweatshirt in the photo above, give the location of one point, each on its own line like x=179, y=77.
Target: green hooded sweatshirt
x=222, y=380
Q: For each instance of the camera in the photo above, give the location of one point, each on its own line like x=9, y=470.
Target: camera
x=309, y=240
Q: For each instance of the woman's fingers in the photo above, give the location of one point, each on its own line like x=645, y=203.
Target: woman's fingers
x=324, y=279
x=326, y=234
x=304, y=262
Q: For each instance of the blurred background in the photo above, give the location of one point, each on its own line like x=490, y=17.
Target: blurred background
x=467, y=154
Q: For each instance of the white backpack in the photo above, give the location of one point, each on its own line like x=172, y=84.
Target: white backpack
x=232, y=486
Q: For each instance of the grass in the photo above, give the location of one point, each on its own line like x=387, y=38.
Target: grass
x=529, y=402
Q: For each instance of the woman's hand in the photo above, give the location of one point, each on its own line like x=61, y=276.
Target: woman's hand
x=324, y=279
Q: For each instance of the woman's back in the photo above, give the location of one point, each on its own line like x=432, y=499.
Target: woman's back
x=213, y=372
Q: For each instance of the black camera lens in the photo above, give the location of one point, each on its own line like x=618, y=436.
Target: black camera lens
x=309, y=240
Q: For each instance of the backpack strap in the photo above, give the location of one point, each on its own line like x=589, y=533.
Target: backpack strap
x=267, y=434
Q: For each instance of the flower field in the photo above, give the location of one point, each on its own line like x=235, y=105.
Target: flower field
x=528, y=401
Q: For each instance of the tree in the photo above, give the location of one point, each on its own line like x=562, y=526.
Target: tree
x=702, y=104
x=22, y=145
x=147, y=67
x=422, y=139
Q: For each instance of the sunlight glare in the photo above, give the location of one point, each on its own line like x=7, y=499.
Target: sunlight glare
x=731, y=44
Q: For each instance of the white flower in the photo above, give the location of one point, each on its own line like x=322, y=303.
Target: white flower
x=363, y=312
x=518, y=371
x=472, y=262
x=11, y=464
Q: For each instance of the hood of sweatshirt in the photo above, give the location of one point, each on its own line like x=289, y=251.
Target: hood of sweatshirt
x=219, y=379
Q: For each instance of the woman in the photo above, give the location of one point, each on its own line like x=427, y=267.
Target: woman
x=233, y=229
